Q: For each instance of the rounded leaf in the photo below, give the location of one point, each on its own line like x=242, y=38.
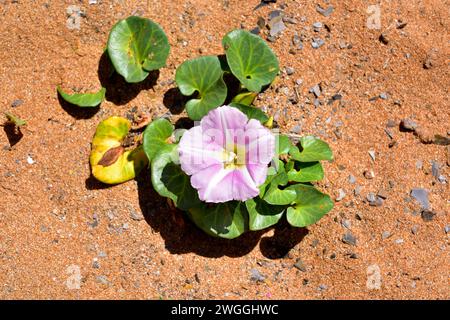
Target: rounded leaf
x=225, y=220
x=250, y=59
x=83, y=99
x=251, y=112
x=313, y=149
x=309, y=207
x=136, y=46
x=306, y=172
x=121, y=167
x=261, y=214
x=156, y=135
x=205, y=76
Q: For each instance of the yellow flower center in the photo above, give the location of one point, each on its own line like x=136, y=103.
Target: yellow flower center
x=234, y=156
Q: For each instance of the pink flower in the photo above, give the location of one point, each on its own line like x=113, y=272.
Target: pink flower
x=227, y=155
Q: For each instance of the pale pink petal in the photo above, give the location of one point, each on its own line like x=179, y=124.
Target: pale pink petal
x=258, y=172
x=260, y=144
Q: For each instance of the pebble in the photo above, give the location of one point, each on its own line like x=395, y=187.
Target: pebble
x=414, y=229
x=349, y=238
x=322, y=287
x=391, y=123
x=289, y=71
x=382, y=193
x=351, y=179
x=372, y=154
x=317, y=26
x=316, y=90
x=341, y=195
x=408, y=124
x=30, y=160
x=447, y=228
x=384, y=95
x=427, y=215
x=136, y=215
x=346, y=223
x=399, y=241
x=300, y=265
x=325, y=12
x=369, y=174
x=316, y=43
x=102, y=279
x=16, y=103
x=385, y=235
x=296, y=129
x=276, y=26
x=419, y=164
x=256, y=275
x=421, y=195
x=435, y=170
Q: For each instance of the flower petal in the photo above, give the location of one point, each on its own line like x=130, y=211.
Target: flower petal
x=260, y=144
x=258, y=172
x=198, y=152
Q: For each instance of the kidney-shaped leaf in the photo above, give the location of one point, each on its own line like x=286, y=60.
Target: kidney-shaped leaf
x=224, y=220
x=313, y=149
x=250, y=59
x=309, y=207
x=261, y=214
x=205, y=76
x=272, y=193
x=306, y=172
x=156, y=135
x=110, y=164
x=170, y=181
x=83, y=99
x=136, y=46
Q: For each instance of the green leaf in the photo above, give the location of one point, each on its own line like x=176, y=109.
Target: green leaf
x=170, y=181
x=251, y=112
x=205, y=76
x=136, y=46
x=313, y=149
x=245, y=98
x=15, y=119
x=156, y=135
x=83, y=99
x=306, y=172
x=261, y=214
x=224, y=220
x=273, y=194
x=109, y=135
x=284, y=144
x=250, y=59
x=310, y=206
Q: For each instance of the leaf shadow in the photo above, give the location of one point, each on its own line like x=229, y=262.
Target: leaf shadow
x=77, y=112
x=182, y=236
x=14, y=135
x=174, y=100
x=118, y=91
x=93, y=184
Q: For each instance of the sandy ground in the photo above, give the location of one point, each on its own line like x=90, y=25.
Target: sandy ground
x=64, y=235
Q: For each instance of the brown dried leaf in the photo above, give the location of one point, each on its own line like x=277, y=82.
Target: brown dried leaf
x=111, y=156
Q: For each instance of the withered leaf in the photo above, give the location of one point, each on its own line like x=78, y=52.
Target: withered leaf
x=111, y=156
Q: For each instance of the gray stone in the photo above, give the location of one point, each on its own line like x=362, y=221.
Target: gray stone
x=346, y=223
x=256, y=275
x=414, y=229
x=427, y=215
x=384, y=95
x=16, y=103
x=317, y=26
x=435, y=169
x=351, y=179
x=385, y=235
x=408, y=125
x=136, y=215
x=349, y=238
x=325, y=12
x=447, y=228
x=399, y=241
x=300, y=265
x=289, y=71
x=316, y=43
x=372, y=154
x=421, y=196
x=276, y=26
x=316, y=90
x=341, y=195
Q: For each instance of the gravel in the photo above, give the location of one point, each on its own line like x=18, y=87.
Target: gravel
x=385, y=235
x=447, y=228
x=408, y=125
x=351, y=179
x=349, y=238
x=316, y=43
x=421, y=195
x=256, y=275
x=16, y=103
x=300, y=265
x=427, y=215
x=372, y=154
x=341, y=195
x=435, y=169
x=136, y=215
x=317, y=26
x=289, y=71
x=325, y=12
x=316, y=90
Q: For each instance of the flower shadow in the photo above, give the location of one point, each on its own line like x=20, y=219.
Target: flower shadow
x=183, y=236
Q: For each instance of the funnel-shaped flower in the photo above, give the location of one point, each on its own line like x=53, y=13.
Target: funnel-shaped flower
x=227, y=155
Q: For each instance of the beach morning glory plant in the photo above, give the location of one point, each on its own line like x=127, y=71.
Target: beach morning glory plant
x=231, y=172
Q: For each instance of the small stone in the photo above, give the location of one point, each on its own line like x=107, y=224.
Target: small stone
x=353, y=256
x=316, y=90
x=255, y=30
x=16, y=103
x=399, y=241
x=372, y=154
x=96, y=264
x=351, y=179
x=369, y=174
x=289, y=71
x=408, y=125
x=261, y=22
x=427, y=215
x=414, y=229
x=371, y=197
x=419, y=164
x=384, y=96
x=136, y=215
x=447, y=228
x=256, y=275
x=385, y=235
x=383, y=38
x=382, y=193
x=296, y=129
x=102, y=279
x=346, y=223
x=391, y=123
x=325, y=12
x=316, y=43
x=389, y=133
x=349, y=238
x=276, y=26
x=435, y=169
x=322, y=287
x=30, y=160
x=317, y=26
x=421, y=195
x=357, y=190
x=300, y=265
x=341, y=195
x=299, y=82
